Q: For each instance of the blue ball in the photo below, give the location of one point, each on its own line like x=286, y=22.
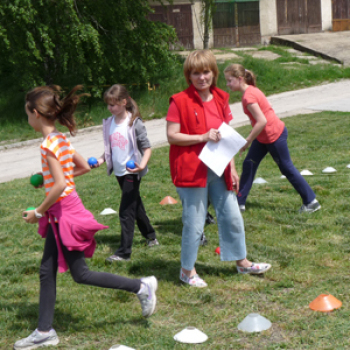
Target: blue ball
x=130, y=164
x=92, y=161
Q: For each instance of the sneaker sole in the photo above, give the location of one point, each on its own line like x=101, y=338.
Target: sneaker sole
x=35, y=346
x=259, y=272
x=312, y=211
x=254, y=273
x=113, y=260
x=154, y=285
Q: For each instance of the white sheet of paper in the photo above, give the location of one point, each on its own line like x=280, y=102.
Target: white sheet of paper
x=216, y=155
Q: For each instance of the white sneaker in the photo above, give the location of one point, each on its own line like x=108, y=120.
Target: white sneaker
x=255, y=269
x=148, y=298
x=194, y=281
x=36, y=340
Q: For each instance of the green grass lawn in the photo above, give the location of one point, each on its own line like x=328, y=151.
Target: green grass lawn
x=309, y=254
x=286, y=73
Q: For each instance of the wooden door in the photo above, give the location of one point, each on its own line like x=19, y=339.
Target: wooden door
x=224, y=25
x=314, y=16
x=248, y=23
x=180, y=17
x=341, y=15
x=299, y=16
x=236, y=24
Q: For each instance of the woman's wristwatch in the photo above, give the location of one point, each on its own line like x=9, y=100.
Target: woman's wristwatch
x=38, y=215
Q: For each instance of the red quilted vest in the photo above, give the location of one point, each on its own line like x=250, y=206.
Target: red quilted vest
x=186, y=169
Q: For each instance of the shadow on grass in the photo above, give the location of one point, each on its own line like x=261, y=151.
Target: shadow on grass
x=169, y=270
x=64, y=321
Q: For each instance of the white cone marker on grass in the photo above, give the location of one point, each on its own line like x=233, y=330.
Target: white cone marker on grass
x=120, y=347
x=191, y=335
x=108, y=211
x=259, y=180
x=306, y=173
x=329, y=170
x=254, y=323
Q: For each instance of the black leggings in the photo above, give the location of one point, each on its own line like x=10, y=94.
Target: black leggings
x=80, y=273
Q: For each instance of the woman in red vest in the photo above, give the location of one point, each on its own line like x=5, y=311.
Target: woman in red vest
x=194, y=118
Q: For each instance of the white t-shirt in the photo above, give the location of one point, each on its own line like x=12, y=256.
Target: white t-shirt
x=122, y=150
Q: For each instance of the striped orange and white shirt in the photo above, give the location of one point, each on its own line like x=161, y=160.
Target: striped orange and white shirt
x=62, y=149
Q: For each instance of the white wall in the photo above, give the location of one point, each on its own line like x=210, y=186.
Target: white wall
x=326, y=13
x=268, y=19
x=198, y=28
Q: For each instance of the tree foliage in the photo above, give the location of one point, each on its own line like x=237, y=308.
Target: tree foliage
x=91, y=42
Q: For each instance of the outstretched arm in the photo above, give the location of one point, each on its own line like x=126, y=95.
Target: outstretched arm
x=81, y=165
x=261, y=121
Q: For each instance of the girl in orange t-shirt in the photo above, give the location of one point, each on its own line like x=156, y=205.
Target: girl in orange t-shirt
x=71, y=238
x=268, y=135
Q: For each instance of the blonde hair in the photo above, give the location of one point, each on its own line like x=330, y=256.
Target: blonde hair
x=115, y=94
x=47, y=101
x=201, y=60
x=237, y=70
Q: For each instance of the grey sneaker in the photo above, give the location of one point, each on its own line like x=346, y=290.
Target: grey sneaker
x=116, y=258
x=209, y=219
x=36, y=340
x=311, y=207
x=152, y=242
x=255, y=269
x=242, y=208
x=204, y=240
x=148, y=299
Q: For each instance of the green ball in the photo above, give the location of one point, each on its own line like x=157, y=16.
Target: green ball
x=29, y=208
x=36, y=180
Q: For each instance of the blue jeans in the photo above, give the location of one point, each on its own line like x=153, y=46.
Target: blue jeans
x=280, y=154
x=230, y=222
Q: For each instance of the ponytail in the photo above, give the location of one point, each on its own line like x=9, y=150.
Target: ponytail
x=237, y=70
x=47, y=102
x=249, y=77
x=132, y=107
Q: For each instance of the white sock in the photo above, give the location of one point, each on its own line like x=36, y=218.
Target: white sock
x=142, y=288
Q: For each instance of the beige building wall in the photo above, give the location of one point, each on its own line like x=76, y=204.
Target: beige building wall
x=326, y=13
x=268, y=20
x=198, y=28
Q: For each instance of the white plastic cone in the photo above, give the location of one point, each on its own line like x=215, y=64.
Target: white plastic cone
x=306, y=173
x=191, y=335
x=259, y=180
x=120, y=347
x=108, y=211
x=254, y=323
x=329, y=170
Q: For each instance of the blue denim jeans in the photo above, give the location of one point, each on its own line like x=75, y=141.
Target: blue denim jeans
x=280, y=154
x=230, y=221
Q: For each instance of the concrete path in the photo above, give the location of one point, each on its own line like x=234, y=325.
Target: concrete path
x=330, y=45
x=23, y=159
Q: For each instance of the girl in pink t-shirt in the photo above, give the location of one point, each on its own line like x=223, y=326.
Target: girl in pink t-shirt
x=268, y=135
